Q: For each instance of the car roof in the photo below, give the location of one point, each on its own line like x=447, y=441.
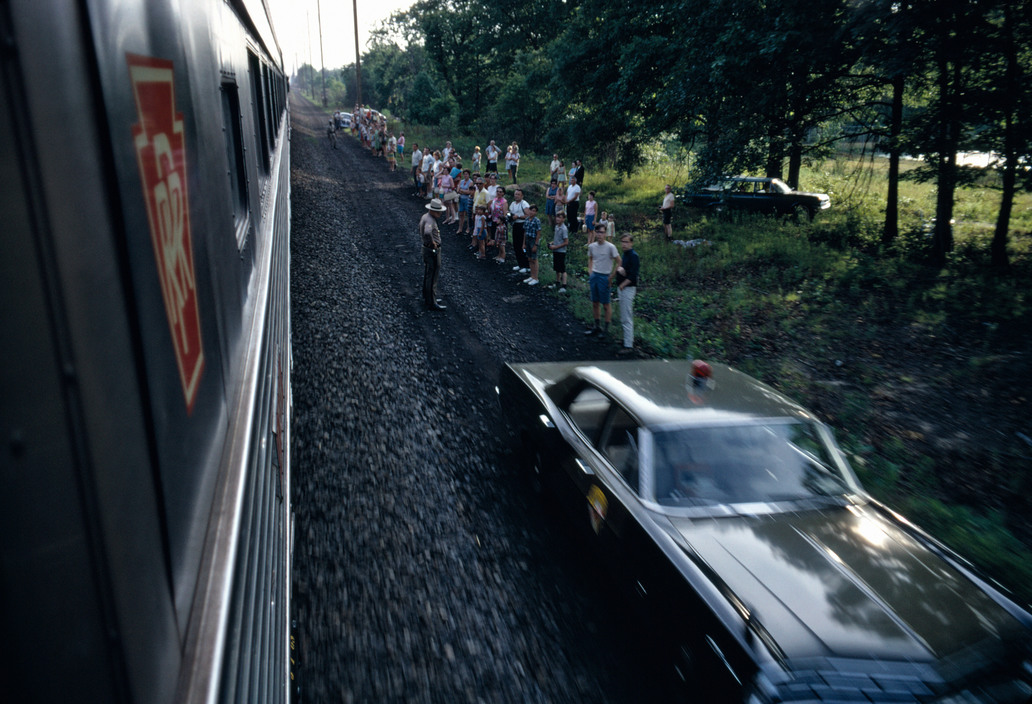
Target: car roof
x=664, y=392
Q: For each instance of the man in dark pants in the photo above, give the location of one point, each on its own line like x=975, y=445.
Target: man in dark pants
x=573, y=192
x=430, y=234
x=518, y=209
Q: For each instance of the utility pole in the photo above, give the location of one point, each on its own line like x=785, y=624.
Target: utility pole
x=322, y=61
x=358, y=55
x=311, y=81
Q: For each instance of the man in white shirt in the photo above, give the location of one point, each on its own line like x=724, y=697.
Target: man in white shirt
x=428, y=175
x=573, y=205
x=492, y=157
x=554, y=167
x=603, y=259
x=417, y=162
x=518, y=208
x=668, y=212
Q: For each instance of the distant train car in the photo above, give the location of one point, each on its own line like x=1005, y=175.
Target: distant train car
x=145, y=406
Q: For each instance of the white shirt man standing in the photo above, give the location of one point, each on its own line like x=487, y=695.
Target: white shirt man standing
x=573, y=192
x=492, y=157
x=518, y=209
x=603, y=259
x=668, y=211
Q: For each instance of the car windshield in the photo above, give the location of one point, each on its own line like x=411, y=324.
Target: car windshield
x=765, y=461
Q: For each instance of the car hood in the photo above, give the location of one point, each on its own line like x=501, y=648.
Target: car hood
x=818, y=196
x=847, y=582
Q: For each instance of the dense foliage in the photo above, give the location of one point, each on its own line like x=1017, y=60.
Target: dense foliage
x=747, y=85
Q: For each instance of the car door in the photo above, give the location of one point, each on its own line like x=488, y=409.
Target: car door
x=586, y=410
x=611, y=502
x=740, y=196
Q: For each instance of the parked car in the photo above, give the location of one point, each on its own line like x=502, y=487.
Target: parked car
x=729, y=515
x=758, y=195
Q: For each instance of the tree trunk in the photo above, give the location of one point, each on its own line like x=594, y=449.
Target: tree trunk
x=998, y=248
x=795, y=163
x=946, y=159
x=891, y=229
x=947, y=186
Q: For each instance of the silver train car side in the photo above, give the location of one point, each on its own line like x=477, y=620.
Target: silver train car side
x=145, y=404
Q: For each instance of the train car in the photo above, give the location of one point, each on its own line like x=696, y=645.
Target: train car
x=145, y=404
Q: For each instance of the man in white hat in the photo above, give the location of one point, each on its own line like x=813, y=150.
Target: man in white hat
x=430, y=234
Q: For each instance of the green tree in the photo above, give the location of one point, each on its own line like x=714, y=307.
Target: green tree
x=427, y=104
x=952, y=37
x=1005, y=105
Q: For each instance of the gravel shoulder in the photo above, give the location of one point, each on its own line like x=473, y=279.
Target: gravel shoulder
x=424, y=570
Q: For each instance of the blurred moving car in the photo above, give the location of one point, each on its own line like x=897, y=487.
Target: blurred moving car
x=728, y=512
x=758, y=195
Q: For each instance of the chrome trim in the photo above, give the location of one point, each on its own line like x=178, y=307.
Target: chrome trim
x=200, y=680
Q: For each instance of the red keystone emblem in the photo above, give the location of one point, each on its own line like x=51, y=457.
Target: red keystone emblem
x=161, y=157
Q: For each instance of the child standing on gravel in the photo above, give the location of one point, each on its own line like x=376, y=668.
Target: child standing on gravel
x=479, y=240
x=499, y=209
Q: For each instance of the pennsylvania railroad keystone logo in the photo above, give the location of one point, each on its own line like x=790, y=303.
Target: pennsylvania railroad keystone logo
x=161, y=157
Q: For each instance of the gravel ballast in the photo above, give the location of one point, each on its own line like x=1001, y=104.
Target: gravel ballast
x=425, y=571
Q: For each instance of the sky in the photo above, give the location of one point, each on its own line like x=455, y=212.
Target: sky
x=296, y=20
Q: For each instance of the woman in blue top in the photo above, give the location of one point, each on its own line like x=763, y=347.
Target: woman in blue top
x=465, y=203
x=553, y=188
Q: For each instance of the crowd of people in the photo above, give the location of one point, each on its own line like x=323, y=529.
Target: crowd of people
x=473, y=199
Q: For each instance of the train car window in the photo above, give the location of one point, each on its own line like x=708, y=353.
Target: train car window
x=258, y=103
x=273, y=122
x=235, y=169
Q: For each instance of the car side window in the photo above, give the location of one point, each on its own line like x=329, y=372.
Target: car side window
x=620, y=445
x=588, y=410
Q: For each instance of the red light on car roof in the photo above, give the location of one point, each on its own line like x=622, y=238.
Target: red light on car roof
x=701, y=370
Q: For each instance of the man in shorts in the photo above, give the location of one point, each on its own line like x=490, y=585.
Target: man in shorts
x=603, y=258
x=560, y=239
x=668, y=212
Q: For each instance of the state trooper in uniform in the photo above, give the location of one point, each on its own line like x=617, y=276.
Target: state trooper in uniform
x=430, y=234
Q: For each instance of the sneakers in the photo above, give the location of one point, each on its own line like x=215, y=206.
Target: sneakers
x=562, y=289
x=592, y=331
x=517, y=268
x=524, y=270
x=624, y=351
x=532, y=282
